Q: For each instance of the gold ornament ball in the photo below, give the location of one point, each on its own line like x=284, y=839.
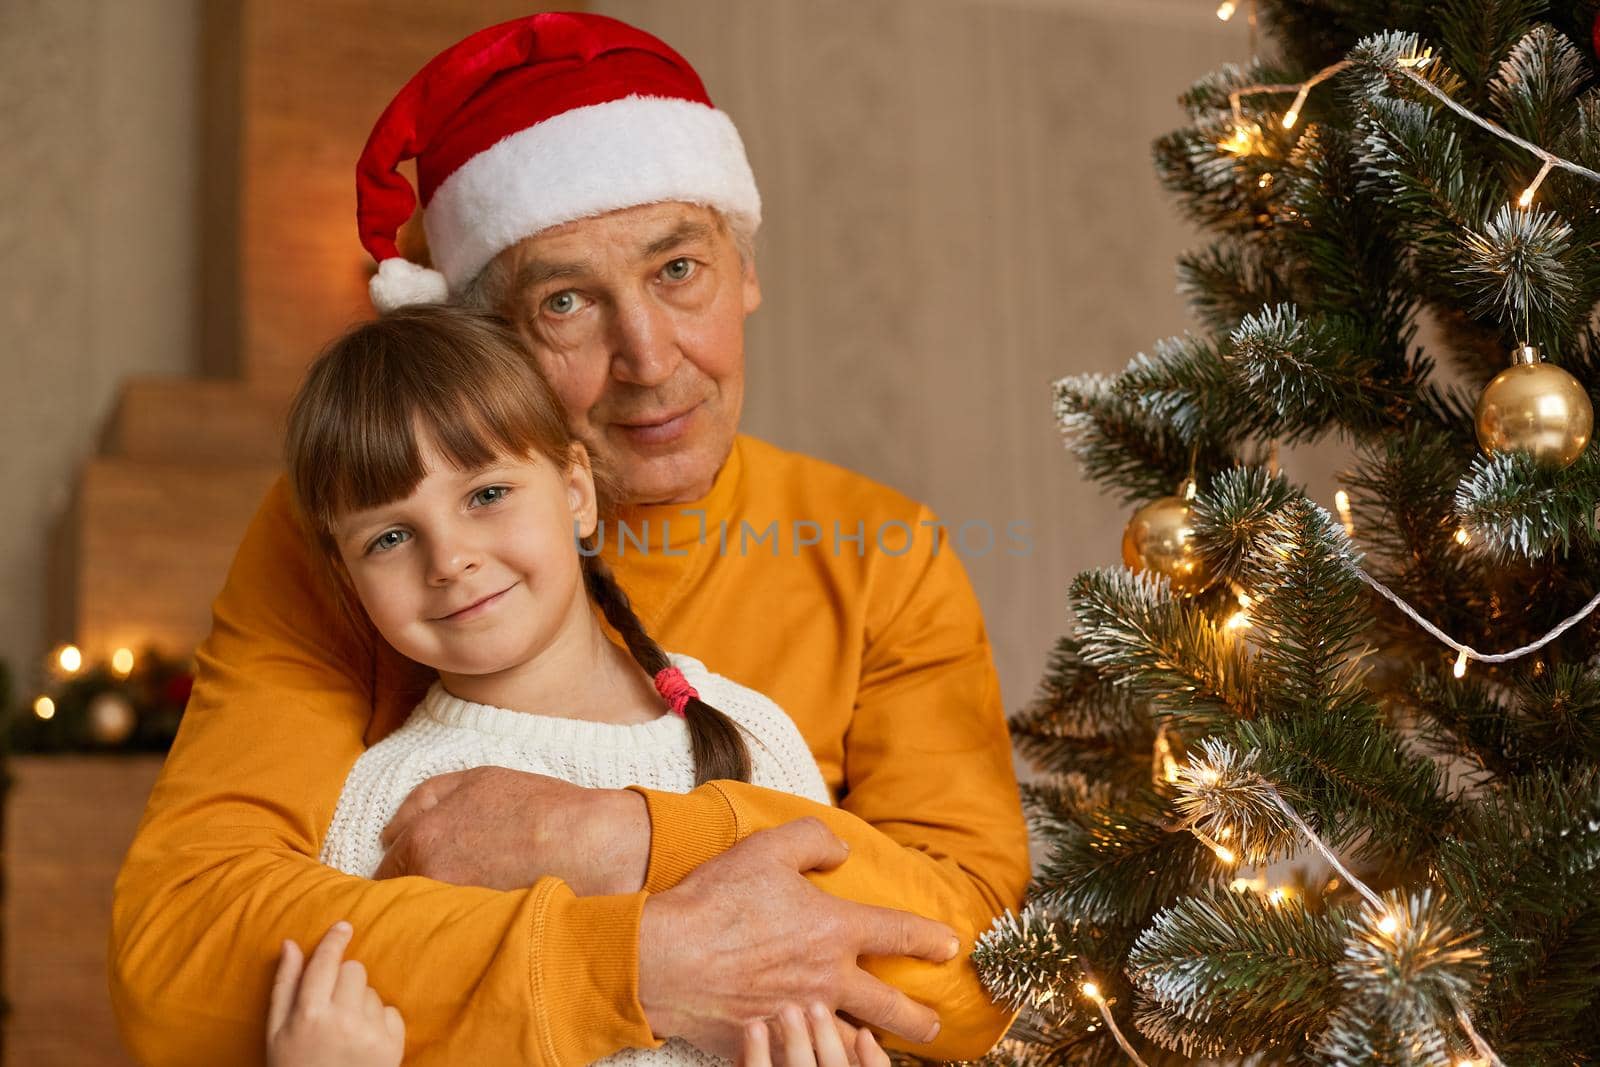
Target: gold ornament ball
x=1160, y=537
x=1537, y=409
x=111, y=718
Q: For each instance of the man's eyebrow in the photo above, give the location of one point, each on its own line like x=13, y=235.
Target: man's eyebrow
x=538, y=271
x=682, y=233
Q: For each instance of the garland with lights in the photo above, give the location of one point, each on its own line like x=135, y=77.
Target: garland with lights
x=127, y=703
x=1251, y=689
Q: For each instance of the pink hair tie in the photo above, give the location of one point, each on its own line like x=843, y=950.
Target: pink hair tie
x=675, y=689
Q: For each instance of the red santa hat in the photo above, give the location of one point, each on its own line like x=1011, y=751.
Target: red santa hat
x=533, y=123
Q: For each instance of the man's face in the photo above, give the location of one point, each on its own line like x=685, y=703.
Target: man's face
x=637, y=319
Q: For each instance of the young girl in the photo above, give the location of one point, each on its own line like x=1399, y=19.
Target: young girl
x=432, y=464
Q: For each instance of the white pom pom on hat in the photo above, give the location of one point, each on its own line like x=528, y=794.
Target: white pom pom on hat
x=533, y=123
x=400, y=282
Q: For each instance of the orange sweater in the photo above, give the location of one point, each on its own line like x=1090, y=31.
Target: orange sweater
x=880, y=657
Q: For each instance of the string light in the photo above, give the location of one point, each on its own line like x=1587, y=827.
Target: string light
x=1226, y=9
x=1466, y=651
x=1341, y=501
x=1526, y=199
x=70, y=658
x=1245, y=783
x=1278, y=895
x=122, y=661
x=1550, y=158
x=1462, y=536
x=1091, y=990
x=44, y=708
x=1245, y=139
x=1408, y=67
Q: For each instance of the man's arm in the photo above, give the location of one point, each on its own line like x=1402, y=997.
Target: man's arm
x=931, y=810
x=224, y=865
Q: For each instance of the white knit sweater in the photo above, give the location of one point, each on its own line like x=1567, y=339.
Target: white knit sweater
x=445, y=734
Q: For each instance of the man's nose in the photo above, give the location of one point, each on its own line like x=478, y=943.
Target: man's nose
x=645, y=343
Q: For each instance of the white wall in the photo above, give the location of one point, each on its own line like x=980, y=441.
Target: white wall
x=98, y=179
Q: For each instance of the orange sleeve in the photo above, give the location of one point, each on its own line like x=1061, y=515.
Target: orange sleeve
x=224, y=865
x=931, y=809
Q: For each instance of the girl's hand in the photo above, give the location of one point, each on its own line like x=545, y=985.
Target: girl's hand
x=815, y=1038
x=328, y=1016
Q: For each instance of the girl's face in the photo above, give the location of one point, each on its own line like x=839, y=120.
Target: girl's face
x=475, y=572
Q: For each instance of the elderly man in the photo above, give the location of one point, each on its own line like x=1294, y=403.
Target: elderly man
x=576, y=178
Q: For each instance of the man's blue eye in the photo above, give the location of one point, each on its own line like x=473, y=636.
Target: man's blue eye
x=563, y=303
x=678, y=269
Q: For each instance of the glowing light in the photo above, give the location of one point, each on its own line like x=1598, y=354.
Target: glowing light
x=70, y=658
x=1526, y=199
x=1264, y=181
x=1461, y=664
x=1341, y=500
x=1226, y=9
x=1239, y=620
x=122, y=661
x=1225, y=855
x=1246, y=885
x=1290, y=117
x=1388, y=925
x=45, y=708
x=1278, y=895
x=1225, y=833
x=1242, y=141
x=1244, y=599
x=1091, y=991
x=1462, y=536
x=1169, y=768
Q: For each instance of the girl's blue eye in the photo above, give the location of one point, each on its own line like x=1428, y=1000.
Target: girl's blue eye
x=678, y=269
x=387, y=540
x=490, y=494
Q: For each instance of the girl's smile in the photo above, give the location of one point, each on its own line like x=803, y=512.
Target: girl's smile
x=478, y=607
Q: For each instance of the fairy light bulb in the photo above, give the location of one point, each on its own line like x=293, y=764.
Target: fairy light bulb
x=1388, y=925
x=1525, y=201
x=1461, y=664
x=1225, y=854
x=1091, y=991
x=44, y=708
x=122, y=661
x=1462, y=536
x=1226, y=9
x=70, y=658
x=1341, y=502
x=1278, y=895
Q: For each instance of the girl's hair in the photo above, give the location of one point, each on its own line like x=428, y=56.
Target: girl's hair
x=465, y=379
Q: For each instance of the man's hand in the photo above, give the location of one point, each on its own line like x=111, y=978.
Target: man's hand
x=505, y=829
x=746, y=933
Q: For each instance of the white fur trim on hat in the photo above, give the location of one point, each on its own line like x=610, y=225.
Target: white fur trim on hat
x=583, y=162
x=400, y=282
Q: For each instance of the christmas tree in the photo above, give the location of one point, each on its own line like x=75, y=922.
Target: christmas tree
x=1324, y=787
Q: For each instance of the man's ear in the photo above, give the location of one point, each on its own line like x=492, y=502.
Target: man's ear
x=752, y=285
x=580, y=492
